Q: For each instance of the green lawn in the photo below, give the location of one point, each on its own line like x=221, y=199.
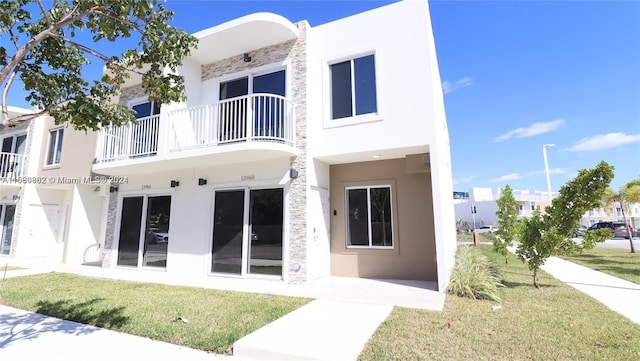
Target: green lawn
x=614, y=261
x=555, y=322
x=215, y=318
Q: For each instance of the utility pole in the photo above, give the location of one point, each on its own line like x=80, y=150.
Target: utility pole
x=473, y=215
x=546, y=169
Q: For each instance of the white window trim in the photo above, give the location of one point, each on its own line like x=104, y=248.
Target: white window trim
x=391, y=220
x=46, y=158
x=328, y=122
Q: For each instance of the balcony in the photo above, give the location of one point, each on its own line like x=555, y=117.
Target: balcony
x=12, y=168
x=255, y=127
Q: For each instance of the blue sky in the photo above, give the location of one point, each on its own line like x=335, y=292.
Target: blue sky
x=516, y=75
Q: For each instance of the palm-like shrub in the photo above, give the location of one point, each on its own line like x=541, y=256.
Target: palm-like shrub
x=474, y=276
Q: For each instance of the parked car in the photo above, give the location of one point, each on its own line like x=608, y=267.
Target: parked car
x=157, y=236
x=485, y=229
x=619, y=229
x=579, y=232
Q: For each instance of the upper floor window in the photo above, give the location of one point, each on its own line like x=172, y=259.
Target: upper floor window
x=369, y=217
x=54, y=151
x=146, y=109
x=14, y=144
x=353, y=87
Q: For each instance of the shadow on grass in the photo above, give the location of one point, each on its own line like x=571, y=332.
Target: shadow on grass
x=541, y=284
x=89, y=312
x=16, y=325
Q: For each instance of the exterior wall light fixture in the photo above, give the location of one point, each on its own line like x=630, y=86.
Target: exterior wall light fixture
x=247, y=58
x=174, y=183
x=202, y=182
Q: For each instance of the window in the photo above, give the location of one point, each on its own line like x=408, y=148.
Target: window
x=369, y=217
x=353, y=87
x=146, y=109
x=55, y=147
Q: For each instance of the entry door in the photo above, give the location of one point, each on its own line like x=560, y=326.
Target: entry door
x=6, y=216
x=248, y=232
x=144, y=231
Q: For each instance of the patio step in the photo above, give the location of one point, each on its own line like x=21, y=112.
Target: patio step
x=319, y=330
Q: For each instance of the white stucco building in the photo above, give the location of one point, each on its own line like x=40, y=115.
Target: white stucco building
x=483, y=201
x=300, y=152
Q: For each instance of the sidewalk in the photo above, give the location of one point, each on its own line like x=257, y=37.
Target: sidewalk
x=617, y=294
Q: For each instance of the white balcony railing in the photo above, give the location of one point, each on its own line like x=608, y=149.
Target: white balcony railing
x=250, y=118
x=11, y=166
x=254, y=117
x=129, y=141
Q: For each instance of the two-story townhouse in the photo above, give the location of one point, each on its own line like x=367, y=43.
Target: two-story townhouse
x=300, y=152
x=52, y=209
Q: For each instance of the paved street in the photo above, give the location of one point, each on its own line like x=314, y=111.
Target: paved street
x=620, y=243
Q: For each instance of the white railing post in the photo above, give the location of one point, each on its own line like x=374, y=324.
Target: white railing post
x=249, y=121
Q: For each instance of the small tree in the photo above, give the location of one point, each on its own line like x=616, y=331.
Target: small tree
x=628, y=194
x=507, y=215
x=50, y=43
x=550, y=235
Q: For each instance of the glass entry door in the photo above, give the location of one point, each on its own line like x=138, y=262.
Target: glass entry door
x=7, y=213
x=248, y=232
x=144, y=231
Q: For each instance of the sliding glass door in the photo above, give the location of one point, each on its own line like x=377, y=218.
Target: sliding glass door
x=248, y=232
x=144, y=231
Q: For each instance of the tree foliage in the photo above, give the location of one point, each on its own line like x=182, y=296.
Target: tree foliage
x=543, y=236
x=507, y=215
x=46, y=51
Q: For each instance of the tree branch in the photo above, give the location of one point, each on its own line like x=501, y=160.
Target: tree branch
x=5, y=92
x=44, y=12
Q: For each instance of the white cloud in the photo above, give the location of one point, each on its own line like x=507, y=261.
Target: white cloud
x=533, y=129
x=448, y=87
x=602, y=142
x=464, y=180
x=508, y=177
x=516, y=176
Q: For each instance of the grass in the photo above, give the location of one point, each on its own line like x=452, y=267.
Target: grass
x=617, y=262
x=216, y=319
x=555, y=322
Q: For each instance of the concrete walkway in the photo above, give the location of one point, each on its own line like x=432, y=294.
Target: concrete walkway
x=617, y=294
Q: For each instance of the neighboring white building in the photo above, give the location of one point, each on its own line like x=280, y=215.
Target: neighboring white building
x=300, y=152
x=49, y=210
x=483, y=201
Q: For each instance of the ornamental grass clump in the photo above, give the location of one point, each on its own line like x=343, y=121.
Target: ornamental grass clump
x=474, y=276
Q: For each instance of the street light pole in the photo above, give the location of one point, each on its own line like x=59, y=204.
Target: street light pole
x=546, y=168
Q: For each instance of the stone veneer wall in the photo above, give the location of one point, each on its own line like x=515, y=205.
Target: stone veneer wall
x=298, y=188
x=108, y=250
x=132, y=92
